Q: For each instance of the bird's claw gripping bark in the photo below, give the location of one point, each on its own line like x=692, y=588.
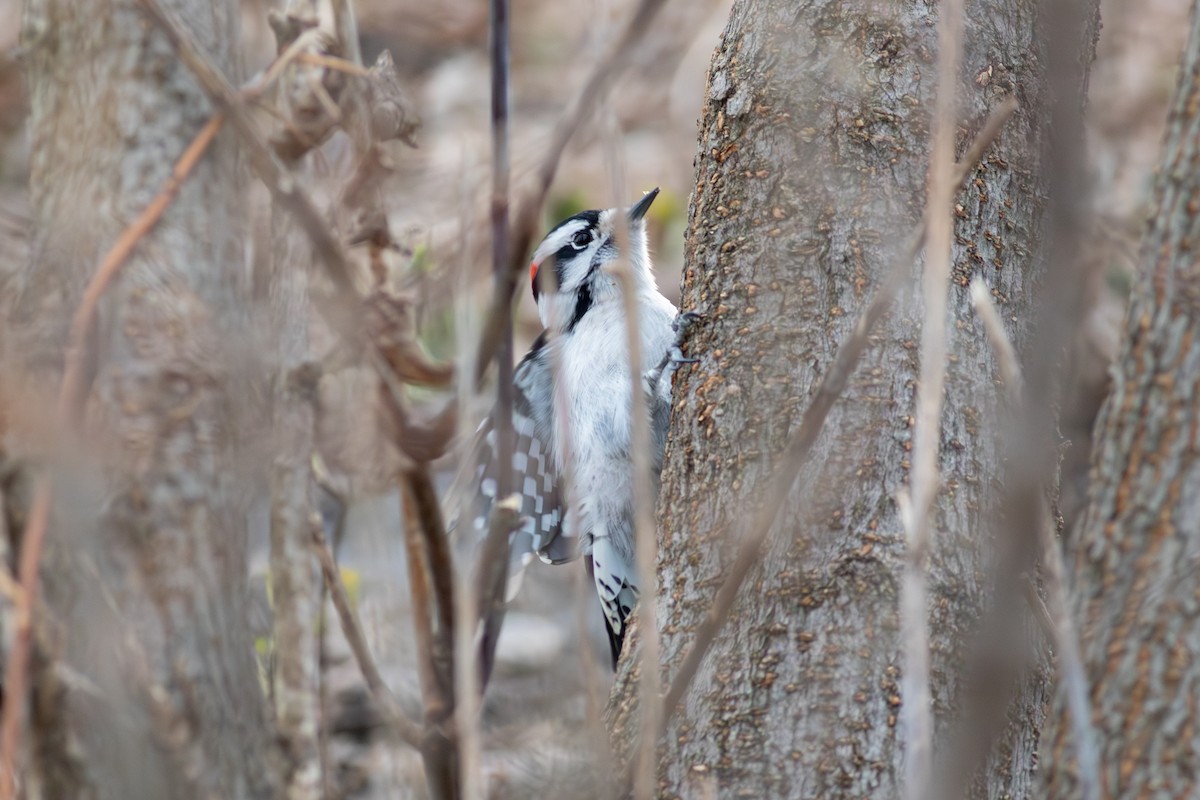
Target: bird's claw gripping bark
x=674, y=356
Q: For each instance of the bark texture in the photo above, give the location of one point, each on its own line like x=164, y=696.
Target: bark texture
x=1134, y=551
x=295, y=578
x=149, y=688
x=810, y=174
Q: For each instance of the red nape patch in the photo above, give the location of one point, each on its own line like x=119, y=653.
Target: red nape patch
x=533, y=268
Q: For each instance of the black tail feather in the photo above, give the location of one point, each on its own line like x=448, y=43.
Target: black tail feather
x=615, y=640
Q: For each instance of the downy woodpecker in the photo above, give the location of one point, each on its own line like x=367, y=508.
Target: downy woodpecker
x=587, y=437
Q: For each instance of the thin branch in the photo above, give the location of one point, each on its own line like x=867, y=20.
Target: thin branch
x=1062, y=626
x=796, y=452
x=468, y=631
x=71, y=398
x=645, y=541
x=441, y=565
x=493, y=579
x=993, y=328
x=398, y=721
x=500, y=240
x=334, y=63
x=916, y=713
x=439, y=751
x=526, y=218
x=491, y=576
x=466, y=687
x=428, y=552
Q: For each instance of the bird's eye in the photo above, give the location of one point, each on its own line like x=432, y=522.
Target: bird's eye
x=581, y=240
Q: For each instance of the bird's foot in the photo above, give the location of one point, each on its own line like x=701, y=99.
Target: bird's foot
x=674, y=356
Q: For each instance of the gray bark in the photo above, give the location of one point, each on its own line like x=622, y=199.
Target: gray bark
x=295, y=579
x=1134, y=550
x=149, y=687
x=810, y=174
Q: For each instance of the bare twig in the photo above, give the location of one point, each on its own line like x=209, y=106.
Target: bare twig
x=1062, y=626
x=441, y=566
x=467, y=691
x=798, y=448
x=491, y=572
x=468, y=632
x=597, y=85
x=71, y=397
x=466, y=686
x=493, y=586
x=993, y=328
x=346, y=30
x=334, y=63
x=645, y=542
x=916, y=714
x=439, y=749
x=398, y=721
x=425, y=531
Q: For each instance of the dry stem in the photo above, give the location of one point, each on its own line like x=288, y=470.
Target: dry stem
x=439, y=751
x=1058, y=611
x=406, y=729
x=645, y=540
x=916, y=713
x=493, y=576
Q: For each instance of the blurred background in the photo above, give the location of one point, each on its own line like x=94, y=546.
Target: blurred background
x=537, y=708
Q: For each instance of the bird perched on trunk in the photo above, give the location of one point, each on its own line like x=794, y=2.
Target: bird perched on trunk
x=585, y=433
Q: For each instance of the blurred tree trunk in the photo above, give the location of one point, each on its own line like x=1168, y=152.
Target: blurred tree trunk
x=810, y=175
x=1135, y=549
x=147, y=685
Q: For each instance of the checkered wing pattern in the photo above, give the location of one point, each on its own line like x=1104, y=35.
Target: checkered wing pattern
x=533, y=465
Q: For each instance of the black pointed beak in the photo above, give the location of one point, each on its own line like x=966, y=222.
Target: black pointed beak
x=640, y=208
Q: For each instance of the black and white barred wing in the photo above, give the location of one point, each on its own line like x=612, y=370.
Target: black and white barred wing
x=534, y=476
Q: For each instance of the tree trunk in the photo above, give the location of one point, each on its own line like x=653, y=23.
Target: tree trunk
x=813, y=151
x=149, y=688
x=1134, y=551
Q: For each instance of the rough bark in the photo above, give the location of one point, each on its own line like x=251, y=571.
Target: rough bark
x=1134, y=550
x=810, y=174
x=295, y=579
x=148, y=687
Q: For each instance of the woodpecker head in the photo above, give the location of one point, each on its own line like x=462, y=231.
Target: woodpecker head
x=568, y=268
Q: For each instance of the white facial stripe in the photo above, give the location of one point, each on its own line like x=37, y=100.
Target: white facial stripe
x=606, y=221
x=558, y=239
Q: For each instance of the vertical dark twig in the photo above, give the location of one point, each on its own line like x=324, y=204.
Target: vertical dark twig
x=432, y=575
x=437, y=549
x=500, y=243
x=493, y=572
x=438, y=748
